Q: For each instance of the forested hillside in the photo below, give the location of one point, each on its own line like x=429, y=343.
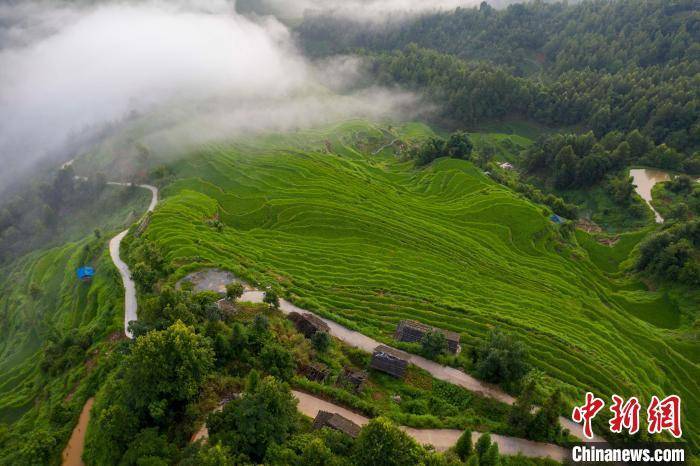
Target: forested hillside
x=598, y=65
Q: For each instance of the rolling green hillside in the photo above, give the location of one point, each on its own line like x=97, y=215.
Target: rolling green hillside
x=368, y=240
x=54, y=335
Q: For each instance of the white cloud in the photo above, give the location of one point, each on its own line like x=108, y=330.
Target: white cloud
x=71, y=68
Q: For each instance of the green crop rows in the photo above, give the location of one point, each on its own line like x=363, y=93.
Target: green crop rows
x=368, y=240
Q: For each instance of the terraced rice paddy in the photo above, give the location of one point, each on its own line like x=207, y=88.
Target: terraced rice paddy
x=40, y=300
x=368, y=240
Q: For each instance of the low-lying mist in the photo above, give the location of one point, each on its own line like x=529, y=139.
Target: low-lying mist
x=67, y=71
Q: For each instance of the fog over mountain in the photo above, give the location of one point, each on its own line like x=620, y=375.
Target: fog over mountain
x=68, y=70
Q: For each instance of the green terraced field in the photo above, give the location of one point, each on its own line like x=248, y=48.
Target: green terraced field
x=368, y=240
x=40, y=408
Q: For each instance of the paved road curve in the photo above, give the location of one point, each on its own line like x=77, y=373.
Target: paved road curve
x=441, y=439
x=130, y=304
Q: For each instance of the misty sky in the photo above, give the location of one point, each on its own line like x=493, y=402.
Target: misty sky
x=66, y=70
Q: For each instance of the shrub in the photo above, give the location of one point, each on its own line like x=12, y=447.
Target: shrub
x=500, y=358
x=464, y=446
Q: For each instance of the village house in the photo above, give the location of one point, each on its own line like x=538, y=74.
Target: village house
x=506, y=166
x=337, y=422
x=412, y=331
x=352, y=379
x=315, y=371
x=308, y=324
x=225, y=306
x=389, y=360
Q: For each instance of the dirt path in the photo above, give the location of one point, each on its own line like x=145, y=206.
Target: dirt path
x=448, y=374
x=441, y=439
x=130, y=304
x=72, y=454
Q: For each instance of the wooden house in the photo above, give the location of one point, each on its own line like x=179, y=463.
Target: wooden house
x=308, y=324
x=315, y=371
x=412, y=331
x=389, y=360
x=352, y=379
x=337, y=422
x=225, y=306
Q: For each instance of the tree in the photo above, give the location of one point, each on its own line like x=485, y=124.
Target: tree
x=321, y=341
x=622, y=190
x=429, y=151
x=520, y=417
x=500, y=358
x=149, y=447
x=316, y=453
x=166, y=368
x=433, y=344
x=381, y=443
x=265, y=414
x=234, y=290
x=680, y=211
x=491, y=457
x=681, y=184
x=545, y=424
x=482, y=445
x=639, y=144
x=277, y=361
x=37, y=447
x=565, y=164
x=144, y=275
x=464, y=446
x=459, y=145
x=212, y=455
x=271, y=299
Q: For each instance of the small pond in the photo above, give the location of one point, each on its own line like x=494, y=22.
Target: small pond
x=644, y=181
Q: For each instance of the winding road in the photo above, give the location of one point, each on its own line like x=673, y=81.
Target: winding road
x=440, y=439
x=130, y=303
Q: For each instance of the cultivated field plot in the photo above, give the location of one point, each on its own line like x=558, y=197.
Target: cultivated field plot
x=369, y=240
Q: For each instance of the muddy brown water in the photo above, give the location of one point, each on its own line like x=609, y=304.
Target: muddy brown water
x=644, y=180
x=72, y=454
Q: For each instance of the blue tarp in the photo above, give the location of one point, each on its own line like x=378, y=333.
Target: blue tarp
x=556, y=219
x=85, y=272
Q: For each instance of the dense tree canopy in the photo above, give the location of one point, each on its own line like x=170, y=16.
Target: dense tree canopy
x=620, y=65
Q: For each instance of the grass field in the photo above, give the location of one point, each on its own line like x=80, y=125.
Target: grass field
x=368, y=240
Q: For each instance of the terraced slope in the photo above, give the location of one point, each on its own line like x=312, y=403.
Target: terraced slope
x=367, y=241
x=41, y=300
